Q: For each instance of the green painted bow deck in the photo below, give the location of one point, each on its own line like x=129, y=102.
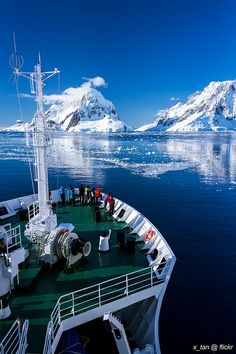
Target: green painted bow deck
x=41, y=286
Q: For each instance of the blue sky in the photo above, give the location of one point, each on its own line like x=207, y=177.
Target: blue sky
x=147, y=51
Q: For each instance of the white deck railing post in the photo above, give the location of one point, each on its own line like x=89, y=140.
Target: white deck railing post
x=73, y=304
x=59, y=312
x=18, y=329
x=99, y=295
x=127, y=285
x=47, y=349
x=52, y=330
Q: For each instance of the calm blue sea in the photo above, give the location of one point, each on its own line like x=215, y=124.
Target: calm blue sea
x=186, y=185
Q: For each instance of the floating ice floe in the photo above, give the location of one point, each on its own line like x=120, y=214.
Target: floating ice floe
x=151, y=170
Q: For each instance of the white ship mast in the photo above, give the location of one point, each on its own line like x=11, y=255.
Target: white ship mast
x=40, y=140
x=46, y=221
x=55, y=242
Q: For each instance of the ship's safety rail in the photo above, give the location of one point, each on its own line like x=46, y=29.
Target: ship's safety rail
x=13, y=237
x=47, y=349
x=33, y=210
x=23, y=339
x=159, y=255
x=77, y=302
x=15, y=341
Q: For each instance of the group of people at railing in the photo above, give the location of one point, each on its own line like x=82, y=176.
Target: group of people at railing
x=85, y=195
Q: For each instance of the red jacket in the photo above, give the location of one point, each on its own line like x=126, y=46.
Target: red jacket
x=98, y=192
x=112, y=203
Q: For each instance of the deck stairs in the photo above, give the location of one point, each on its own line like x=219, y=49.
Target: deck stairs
x=140, y=319
x=119, y=333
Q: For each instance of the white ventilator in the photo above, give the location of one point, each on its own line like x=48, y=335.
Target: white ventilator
x=104, y=241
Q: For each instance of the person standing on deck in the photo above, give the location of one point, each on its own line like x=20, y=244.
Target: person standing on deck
x=62, y=195
x=72, y=196
x=98, y=194
x=71, y=187
x=81, y=194
x=92, y=196
x=107, y=198
x=112, y=205
x=86, y=195
x=89, y=195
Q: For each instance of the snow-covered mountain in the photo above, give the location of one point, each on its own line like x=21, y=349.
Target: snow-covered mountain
x=84, y=109
x=19, y=126
x=80, y=109
x=213, y=109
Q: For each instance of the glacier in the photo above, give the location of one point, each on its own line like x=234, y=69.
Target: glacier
x=212, y=109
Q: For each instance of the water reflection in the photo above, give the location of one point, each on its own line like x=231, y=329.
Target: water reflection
x=87, y=156
x=213, y=156
x=76, y=154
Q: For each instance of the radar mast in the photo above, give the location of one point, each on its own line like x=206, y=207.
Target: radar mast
x=41, y=217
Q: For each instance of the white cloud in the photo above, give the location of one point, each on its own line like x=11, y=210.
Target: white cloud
x=174, y=98
x=72, y=93
x=69, y=95
x=26, y=95
x=96, y=81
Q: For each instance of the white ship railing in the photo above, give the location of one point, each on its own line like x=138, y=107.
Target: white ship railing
x=23, y=340
x=15, y=341
x=47, y=349
x=79, y=301
x=33, y=210
x=13, y=237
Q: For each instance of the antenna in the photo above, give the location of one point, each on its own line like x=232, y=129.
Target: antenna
x=32, y=85
x=14, y=41
x=39, y=58
x=16, y=60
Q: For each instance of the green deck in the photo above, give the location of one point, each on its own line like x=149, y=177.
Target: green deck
x=41, y=286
